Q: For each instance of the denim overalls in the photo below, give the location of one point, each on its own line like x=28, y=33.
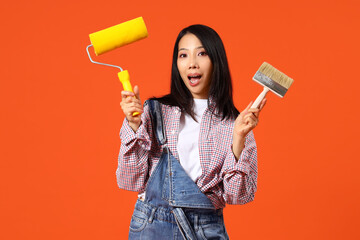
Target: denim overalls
x=174, y=207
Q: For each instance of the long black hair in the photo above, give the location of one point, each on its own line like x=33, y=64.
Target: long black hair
x=220, y=86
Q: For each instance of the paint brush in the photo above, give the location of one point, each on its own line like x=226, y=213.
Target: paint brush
x=271, y=79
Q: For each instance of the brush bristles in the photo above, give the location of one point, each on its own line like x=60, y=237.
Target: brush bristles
x=276, y=75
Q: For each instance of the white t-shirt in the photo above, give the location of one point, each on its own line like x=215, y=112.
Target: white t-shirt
x=188, y=140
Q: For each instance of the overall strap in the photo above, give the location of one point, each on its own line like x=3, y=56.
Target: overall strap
x=157, y=121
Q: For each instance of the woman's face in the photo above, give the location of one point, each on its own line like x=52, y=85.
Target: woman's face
x=194, y=66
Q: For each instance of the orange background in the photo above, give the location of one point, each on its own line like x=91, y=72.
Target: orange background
x=60, y=114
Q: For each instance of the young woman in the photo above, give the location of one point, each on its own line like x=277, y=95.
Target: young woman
x=189, y=152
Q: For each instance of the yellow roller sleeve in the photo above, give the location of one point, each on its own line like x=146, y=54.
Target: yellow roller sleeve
x=118, y=35
x=124, y=78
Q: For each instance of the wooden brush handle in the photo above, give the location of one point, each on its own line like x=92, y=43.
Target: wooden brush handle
x=260, y=98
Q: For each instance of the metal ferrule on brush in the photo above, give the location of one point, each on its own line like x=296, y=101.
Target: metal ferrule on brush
x=272, y=85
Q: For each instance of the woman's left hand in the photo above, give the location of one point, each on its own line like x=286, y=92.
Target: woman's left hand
x=244, y=123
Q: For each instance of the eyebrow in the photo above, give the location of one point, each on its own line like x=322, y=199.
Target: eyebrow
x=188, y=49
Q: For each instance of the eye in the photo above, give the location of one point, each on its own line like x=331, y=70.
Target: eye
x=202, y=53
x=182, y=55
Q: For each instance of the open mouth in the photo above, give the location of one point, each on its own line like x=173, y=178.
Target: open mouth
x=194, y=78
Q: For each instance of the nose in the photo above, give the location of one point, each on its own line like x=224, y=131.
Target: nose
x=193, y=62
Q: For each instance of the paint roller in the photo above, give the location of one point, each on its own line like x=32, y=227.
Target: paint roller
x=114, y=37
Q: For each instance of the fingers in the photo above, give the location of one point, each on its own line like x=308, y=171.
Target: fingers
x=256, y=111
x=244, y=112
x=262, y=104
x=248, y=124
x=251, y=119
x=125, y=94
x=130, y=103
x=248, y=119
x=248, y=107
x=137, y=92
x=129, y=109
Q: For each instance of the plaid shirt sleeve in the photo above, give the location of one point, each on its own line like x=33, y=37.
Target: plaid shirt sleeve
x=133, y=166
x=240, y=177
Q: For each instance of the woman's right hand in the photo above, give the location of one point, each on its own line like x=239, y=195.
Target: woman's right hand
x=129, y=104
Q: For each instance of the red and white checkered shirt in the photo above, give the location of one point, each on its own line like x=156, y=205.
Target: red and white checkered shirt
x=223, y=179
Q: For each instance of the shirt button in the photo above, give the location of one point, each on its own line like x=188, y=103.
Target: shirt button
x=173, y=132
x=176, y=111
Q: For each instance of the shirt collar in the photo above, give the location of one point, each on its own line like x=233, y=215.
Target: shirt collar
x=212, y=105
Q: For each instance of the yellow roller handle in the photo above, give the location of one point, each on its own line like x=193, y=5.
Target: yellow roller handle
x=124, y=78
